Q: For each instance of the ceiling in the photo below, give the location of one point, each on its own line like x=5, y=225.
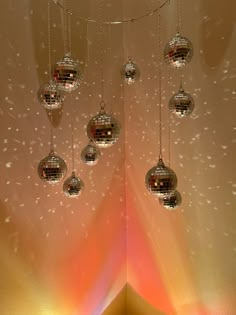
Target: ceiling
x=63, y=256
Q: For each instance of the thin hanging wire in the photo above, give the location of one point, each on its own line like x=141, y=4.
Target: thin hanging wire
x=65, y=27
x=49, y=42
x=120, y=21
x=101, y=51
x=168, y=80
x=179, y=16
x=51, y=131
x=181, y=79
x=50, y=71
x=160, y=82
x=169, y=137
x=110, y=59
x=69, y=32
x=72, y=144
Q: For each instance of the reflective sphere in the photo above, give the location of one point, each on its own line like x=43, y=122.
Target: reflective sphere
x=73, y=186
x=181, y=103
x=52, y=168
x=178, y=51
x=103, y=129
x=90, y=154
x=50, y=96
x=130, y=72
x=66, y=74
x=161, y=180
x=171, y=201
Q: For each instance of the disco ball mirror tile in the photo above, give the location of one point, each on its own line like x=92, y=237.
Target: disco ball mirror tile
x=73, y=186
x=103, y=129
x=66, y=74
x=52, y=168
x=181, y=104
x=171, y=201
x=50, y=96
x=90, y=155
x=161, y=180
x=178, y=51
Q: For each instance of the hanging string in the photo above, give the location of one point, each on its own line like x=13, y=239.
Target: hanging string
x=50, y=70
x=169, y=137
x=110, y=59
x=179, y=16
x=65, y=20
x=51, y=132
x=160, y=82
x=168, y=86
x=72, y=144
x=121, y=21
x=181, y=78
x=101, y=51
x=69, y=32
x=49, y=42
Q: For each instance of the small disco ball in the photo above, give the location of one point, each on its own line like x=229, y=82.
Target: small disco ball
x=52, y=168
x=181, y=103
x=171, y=201
x=103, y=129
x=130, y=72
x=178, y=51
x=90, y=154
x=50, y=96
x=161, y=180
x=73, y=186
x=66, y=74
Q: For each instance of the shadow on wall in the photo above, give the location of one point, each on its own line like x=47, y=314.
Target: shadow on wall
x=40, y=39
x=130, y=303
x=218, y=18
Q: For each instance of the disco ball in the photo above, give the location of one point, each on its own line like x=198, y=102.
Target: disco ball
x=130, y=72
x=73, y=186
x=52, y=168
x=50, y=96
x=171, y=201
x=181, y=103
x=90, y=154
x=103, y=129
x=66, y=74
x=178, y=51
x=161, y=180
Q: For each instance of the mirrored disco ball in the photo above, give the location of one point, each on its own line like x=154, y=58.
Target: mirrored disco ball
x=103, y=129
x=171, y=201
x=90, y=154
x=66, y=73
x=130, y=72
x=52, y=168
x=73, y=186
x=181, y=104
x=178, y=51
x=161, y=180
x=50, y=96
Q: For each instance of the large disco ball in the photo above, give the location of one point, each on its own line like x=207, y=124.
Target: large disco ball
x=73, y=186
x=66, y=74
x=181, y=103
x=50, y=96
x=171, y=201
x=52, y=168
x=161, y=180
x=90, y=154
x=103, y=129
x=130, y=72
x=178, y=51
